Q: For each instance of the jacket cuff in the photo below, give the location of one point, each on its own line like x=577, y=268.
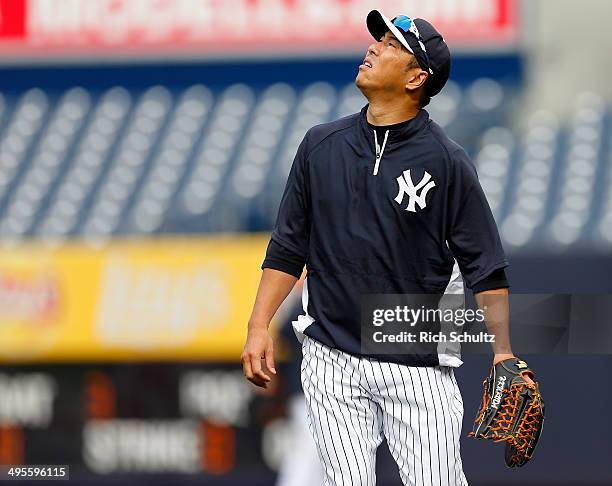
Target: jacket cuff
x=280, y=258
x=495, y=280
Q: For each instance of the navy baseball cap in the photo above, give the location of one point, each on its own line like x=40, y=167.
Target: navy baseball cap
x=422, y=40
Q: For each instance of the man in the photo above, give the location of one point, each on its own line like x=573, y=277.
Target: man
x=381, y=202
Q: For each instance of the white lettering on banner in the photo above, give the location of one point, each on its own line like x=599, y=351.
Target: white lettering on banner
x=325, y=14
x=447, y=11
x=270, y=15
x=217, y=396
x=478, y=11
x=147, y=306
x=112, y=20
x=176, y=22
x=53, y=16
x=27, y=399
x=111, y=446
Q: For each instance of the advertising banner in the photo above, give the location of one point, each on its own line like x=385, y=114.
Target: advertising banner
x=162, y=299
x=215, y=29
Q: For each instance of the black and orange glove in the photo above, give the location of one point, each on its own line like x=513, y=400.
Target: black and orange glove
x=512, y=411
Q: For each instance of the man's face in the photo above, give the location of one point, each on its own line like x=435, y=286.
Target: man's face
x=385, y=67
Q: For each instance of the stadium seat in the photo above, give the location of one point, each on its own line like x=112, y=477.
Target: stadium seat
x=93, y=164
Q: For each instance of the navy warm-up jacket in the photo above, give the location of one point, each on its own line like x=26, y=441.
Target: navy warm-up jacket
x=392, y=224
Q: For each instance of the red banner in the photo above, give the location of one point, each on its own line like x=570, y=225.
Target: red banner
x=12, y=20
x=215, y=28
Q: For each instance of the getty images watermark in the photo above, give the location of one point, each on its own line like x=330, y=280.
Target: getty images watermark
x=418, y=324
x=540, y=324
x=411, y=321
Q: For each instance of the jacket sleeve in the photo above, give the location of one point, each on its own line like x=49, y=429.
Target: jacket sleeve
x=292, y=228
x=472, y=232
x=280, y=258
x=495, y=280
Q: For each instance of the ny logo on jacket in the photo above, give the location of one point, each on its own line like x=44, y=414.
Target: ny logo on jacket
x=406, y=186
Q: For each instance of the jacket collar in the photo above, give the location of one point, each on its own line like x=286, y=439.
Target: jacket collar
x=415, y=125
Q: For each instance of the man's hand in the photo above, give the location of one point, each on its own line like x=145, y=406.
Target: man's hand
x=273, y=288
x=498, y=358
x=259, y=346
x=511, y=410
x=497, y=317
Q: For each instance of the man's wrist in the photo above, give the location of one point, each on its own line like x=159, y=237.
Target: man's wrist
x=258, y=326
x=499, y=357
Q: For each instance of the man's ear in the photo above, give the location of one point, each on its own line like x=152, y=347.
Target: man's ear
x=416, y=79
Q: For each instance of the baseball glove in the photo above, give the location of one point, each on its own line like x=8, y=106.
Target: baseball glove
x=512, y=411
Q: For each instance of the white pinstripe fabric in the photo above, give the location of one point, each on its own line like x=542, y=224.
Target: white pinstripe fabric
x=354, y=402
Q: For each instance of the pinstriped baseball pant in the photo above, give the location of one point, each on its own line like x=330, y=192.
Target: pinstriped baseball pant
x=354, y=402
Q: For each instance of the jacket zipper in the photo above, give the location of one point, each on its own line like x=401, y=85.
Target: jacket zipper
x=379, y=150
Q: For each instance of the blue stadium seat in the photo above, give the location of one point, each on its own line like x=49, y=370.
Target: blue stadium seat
x=95, y=164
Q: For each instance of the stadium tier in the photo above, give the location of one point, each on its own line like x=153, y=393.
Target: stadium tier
x=95, y=164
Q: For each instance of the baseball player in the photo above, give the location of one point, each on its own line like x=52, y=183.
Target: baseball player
x=381, y=202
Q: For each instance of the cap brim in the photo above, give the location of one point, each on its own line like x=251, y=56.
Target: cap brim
x=378, y=25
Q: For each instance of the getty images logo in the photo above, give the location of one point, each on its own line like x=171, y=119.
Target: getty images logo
x=416, y=194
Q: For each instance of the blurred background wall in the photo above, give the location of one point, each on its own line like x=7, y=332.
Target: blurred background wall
x=567, y=47
x=144, y=146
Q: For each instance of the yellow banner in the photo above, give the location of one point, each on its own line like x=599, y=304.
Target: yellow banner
x=165, y=299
